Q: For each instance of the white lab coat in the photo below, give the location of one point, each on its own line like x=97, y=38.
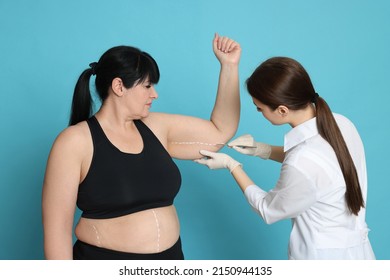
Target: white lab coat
x=311, y=191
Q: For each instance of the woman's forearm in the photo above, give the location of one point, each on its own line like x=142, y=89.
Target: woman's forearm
x=226, y=112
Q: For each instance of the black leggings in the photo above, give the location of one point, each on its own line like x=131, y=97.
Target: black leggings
x=85, y=251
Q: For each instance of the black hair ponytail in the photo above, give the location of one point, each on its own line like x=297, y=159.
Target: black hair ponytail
x=82, y=101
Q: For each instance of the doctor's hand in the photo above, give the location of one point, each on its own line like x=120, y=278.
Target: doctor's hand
x=217, y=160
x=246, y=145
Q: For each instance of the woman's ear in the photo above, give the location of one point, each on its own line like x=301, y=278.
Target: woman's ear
x=283, y=110
x=117, y=86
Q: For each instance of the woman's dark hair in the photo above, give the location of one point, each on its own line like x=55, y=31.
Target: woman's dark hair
x=130, y=64
x=284, y=81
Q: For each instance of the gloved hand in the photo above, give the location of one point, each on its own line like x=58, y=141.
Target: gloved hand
x=246, y=145
x=217, y=160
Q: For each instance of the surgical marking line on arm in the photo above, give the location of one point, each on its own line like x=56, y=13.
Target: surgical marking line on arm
x=198, y=143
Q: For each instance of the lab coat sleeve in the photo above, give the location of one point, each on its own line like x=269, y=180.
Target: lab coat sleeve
x=293, y=194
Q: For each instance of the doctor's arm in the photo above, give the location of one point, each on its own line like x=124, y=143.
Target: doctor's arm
x=293, y=194
x=246, y=144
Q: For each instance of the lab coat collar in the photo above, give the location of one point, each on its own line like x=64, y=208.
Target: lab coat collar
x=300, y=134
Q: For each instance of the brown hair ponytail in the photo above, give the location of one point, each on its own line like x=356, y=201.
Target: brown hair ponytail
x=329, y=130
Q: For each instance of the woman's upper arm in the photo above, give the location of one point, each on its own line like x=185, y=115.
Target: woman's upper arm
x=183, y=136
x=59, y=193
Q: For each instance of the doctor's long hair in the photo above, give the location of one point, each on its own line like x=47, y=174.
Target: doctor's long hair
x=284, y=81
x=130, y=64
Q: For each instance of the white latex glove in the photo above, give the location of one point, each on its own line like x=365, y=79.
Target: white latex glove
x=217, y=160
x=246, y=145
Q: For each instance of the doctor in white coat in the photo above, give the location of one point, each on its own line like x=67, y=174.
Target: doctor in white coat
x=323, y=181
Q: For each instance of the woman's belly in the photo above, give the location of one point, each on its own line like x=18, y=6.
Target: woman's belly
x=149, y=231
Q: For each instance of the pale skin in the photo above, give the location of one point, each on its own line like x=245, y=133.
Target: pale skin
x=71, y=154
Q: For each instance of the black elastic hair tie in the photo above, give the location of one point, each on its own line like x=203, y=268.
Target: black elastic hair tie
x=315, y=98
x=93, y=66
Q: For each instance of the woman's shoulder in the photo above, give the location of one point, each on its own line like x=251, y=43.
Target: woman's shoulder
x=74, y=137
x=158, y=121
x=154, y=117
x=76, y=132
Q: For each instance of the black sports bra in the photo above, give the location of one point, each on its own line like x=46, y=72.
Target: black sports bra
x=119, y=183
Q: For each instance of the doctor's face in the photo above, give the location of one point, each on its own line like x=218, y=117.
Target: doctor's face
x=273, y=116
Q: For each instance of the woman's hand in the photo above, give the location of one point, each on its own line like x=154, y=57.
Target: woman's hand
x=226, y=50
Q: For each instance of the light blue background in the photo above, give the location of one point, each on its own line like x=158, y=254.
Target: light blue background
x=45, y=44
